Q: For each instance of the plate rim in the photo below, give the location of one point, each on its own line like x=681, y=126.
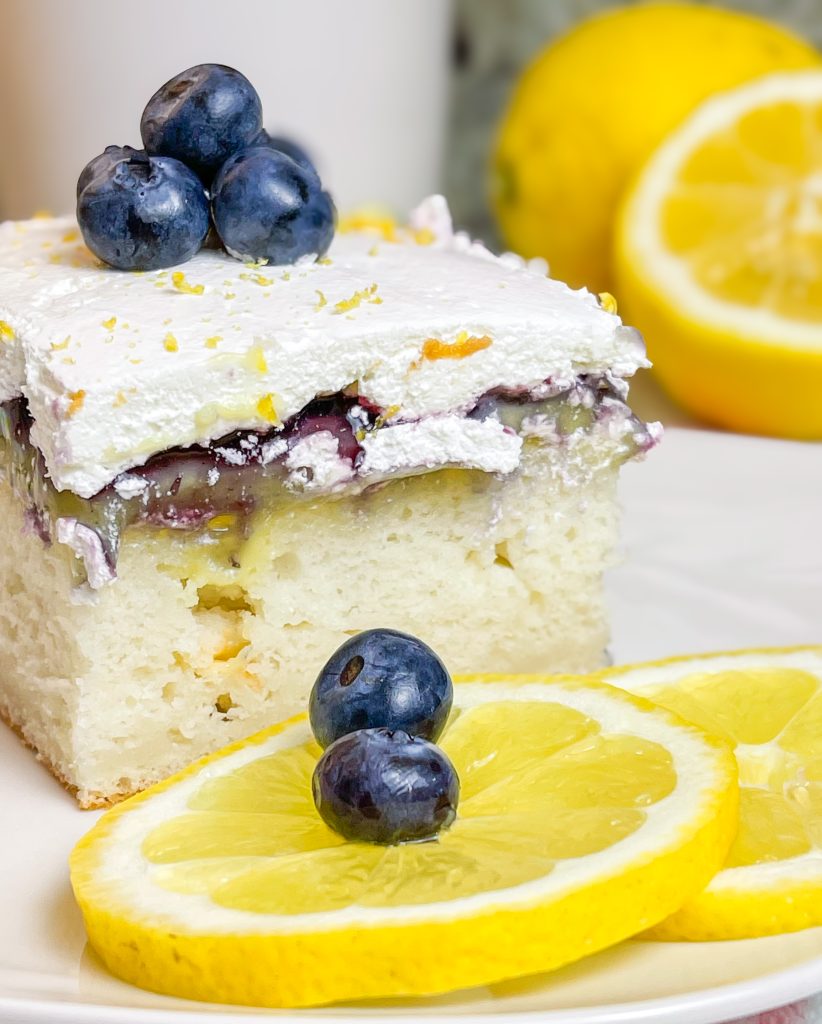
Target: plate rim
x=715, y=1005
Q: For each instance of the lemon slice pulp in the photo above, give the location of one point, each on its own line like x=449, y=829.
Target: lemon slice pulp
x=585, y=816
x=719, y=257
x=768, y=706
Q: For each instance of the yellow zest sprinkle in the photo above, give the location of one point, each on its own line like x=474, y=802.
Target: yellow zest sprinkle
x=170, y=343
x=120, y=399
x=464, y=345
x=285, y=276
x=608, y=302
x=70, y=236
x=135, y=362
x=369, y=220
x=385, y=416
x=266, y=409
x=230, y=295
x=374, y=250
x=178, y=280
x=255, y=359
x=61, y=345
x=69, y=360
x=368, y=294
x=76, y=399
x=167, y=321
x=256, y=264
x=424, y=236
x=110, y=323
x=47, y=245
x=213, y=341
x=259, y=279
x=42, y=215
x=321, y=300
x=6, y=331
x=326, y=261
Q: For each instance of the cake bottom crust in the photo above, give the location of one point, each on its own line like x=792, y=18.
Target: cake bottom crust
x=87, y=801
x=202, y=641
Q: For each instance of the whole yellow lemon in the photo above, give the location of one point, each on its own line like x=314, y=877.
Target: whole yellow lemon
x=596, y=102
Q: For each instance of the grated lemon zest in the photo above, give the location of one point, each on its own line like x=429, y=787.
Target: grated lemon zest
x=259, y=279
x=368, y=294
x=369, y=220
x=178, y=280
x=76, y=399
x=267, y=409
x=464, y=345
x=255, y=359
x=608, y=302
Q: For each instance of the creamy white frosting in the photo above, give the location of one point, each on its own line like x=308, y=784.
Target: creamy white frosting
x=438, y=441
x=118, y=366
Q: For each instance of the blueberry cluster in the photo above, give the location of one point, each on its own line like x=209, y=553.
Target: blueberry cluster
x=377, y=707
x=207, y=160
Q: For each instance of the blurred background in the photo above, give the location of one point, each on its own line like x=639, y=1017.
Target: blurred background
x=534, y=117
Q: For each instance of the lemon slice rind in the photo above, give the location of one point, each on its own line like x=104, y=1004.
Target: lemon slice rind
x=185, y=945
x=758, y=899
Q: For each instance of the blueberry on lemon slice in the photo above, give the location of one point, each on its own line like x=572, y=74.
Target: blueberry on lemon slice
x=585, y=816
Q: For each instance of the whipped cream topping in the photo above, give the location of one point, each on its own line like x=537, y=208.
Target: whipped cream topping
x=119, y=366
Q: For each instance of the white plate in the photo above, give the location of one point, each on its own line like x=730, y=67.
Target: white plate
x=724, y=550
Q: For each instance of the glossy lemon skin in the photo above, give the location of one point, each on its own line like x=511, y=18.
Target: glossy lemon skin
x=596, y=102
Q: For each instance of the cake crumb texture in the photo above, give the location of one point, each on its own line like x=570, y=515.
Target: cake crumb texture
x=207, y=637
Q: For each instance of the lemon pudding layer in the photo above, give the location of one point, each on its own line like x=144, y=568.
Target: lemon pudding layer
x=211, y=477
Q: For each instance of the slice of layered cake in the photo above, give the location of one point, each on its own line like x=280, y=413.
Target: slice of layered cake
x=212, y=476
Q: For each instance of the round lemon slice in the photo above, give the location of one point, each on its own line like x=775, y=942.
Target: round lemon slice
x=768, y=705
x=719, y=257
x=586, y=815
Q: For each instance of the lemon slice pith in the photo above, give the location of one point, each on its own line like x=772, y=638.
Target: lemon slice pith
x=585, y=816
x=768, y=705
x=719, y=257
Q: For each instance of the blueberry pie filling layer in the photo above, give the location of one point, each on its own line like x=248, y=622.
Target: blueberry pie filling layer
x=337, y=446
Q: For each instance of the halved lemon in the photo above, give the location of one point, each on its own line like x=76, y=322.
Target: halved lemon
x=719, y=257
x=586, y=815
x=768, y=705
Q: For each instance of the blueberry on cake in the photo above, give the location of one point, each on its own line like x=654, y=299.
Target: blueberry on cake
x=215, y=472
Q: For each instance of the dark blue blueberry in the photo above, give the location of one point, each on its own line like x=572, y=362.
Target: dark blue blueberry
x=381, y=679
x=287, y=146
x=265, y=206
x=384, y=786
x=142, y=213
x=110, y=155
x=201, y=117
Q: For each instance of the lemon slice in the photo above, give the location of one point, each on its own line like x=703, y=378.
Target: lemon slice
x=719, y=257
x=768, y=705
x=585, y=816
